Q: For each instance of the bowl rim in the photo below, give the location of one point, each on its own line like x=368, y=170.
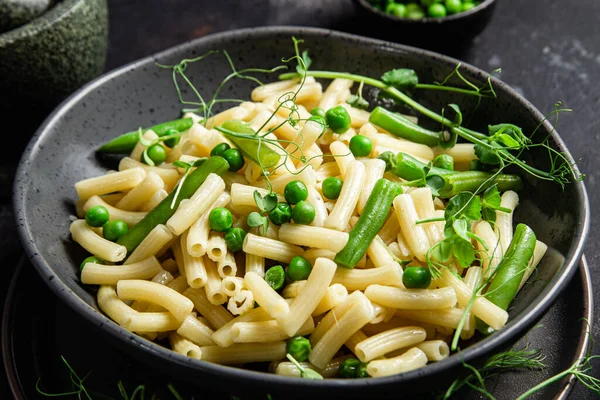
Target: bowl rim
x=46, y=20
x=452, y=17
x=516, y=327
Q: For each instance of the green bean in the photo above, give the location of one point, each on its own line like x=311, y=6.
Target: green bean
x=444, y=161
x=163, y=211
x=249, y=143
x=403, y=127
x=408, y=167
x=470, y=181
x=505, y=282
x=369, y=224
x=125, y=143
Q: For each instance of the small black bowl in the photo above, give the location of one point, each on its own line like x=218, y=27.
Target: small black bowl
x=445, y=34
x=62, y=152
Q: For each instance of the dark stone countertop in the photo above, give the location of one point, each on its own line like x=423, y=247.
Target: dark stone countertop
x=549, y=50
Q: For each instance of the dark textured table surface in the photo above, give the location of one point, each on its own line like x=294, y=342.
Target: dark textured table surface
x=549, y=50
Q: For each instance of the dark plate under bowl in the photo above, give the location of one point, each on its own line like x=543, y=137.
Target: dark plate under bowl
x=63, y=152
x=445, y=35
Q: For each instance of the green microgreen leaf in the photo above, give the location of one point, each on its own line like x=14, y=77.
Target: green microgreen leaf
x=258, y=199
x=358, y=102
x=491, y=201
x=306, y=60
x=488, y=154
x=508, y=140
x=401, y=78
x=147, y=158
x=454, y=114
x=435, y=183
x=460, y=228
x=306, y=373
x=255, y=219
x=181, y=164
x=142, y=140
x=463, y=252
x=463, y=205
x=270, y=202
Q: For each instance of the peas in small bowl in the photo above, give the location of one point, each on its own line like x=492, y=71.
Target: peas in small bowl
x=441, y=25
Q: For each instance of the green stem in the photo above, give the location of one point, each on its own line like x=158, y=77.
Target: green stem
x=429, y=220
x=378, y=84
x=470, y=135
x=427, y=86
x=544, y=384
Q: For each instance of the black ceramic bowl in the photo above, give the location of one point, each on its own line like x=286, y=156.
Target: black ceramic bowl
x=63, y=152
x=445, y=34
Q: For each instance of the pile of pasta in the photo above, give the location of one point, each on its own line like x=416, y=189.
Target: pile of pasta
x=182, y=284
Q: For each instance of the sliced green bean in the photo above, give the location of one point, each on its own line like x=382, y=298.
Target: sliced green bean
x=444, y=161
x=505, y=283
x=470, y=181
x=369, y=224
x=163, y=211
x=125, y=143
x=244, y=138
x=409, y=168
x=403, y=127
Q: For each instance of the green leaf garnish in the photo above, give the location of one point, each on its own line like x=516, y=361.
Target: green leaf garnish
x=358, y=102
x=402, y=78
x=147, y=158
x=491, y=201
x=255, y=219
x=463, y=205
x=454, y=114
x=142, y=140
x=305, y=373
x=181, y=164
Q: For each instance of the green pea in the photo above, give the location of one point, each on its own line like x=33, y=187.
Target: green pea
x=113, y=230
x=349, y=368
x=416, y=278
x=299, y=348
x=338, y=119
x=234, y=158
x=396, y=9
x=453, y=6
x=332, y=187
x=320, y=120
x=414, y=11
x=234, y=237
x=281, y=214
x=362, y=371
x=299, y=269
x=360, y=146
x=467, y=5
x=444, y=161
x=275, y=277
x=220, y=219
x=156, y=153
x=91, y=259
x=318, y=111
x=295, y=191
x=219, y=149
x=436, y=10
x=303, y=213
x=174, y=141
x=97, y=216
x=427, y=3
